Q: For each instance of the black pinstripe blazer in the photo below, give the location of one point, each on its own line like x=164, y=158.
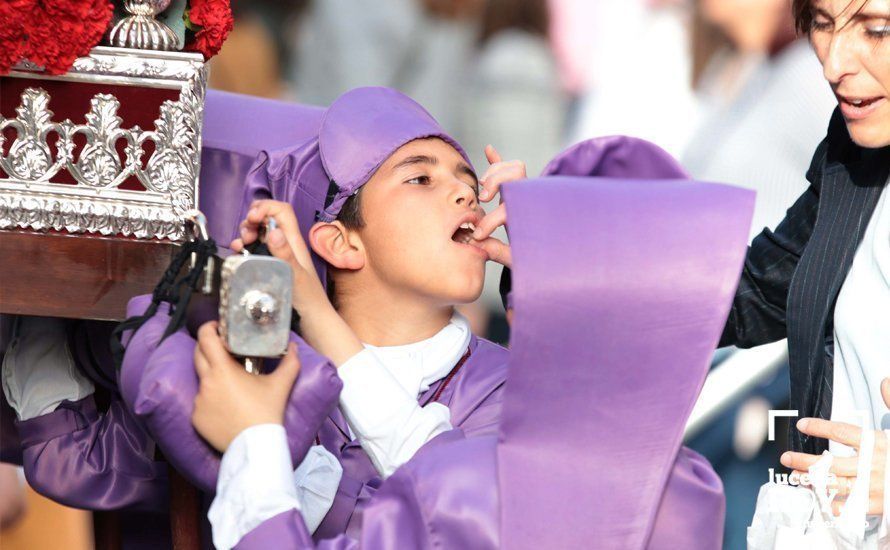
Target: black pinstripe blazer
x=792, y=275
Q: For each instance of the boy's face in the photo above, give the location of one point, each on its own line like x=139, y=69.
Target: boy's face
x=413, y=207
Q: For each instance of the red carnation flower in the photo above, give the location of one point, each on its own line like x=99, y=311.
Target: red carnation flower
x=51, y=33
x=214, y=17
x=13, y=39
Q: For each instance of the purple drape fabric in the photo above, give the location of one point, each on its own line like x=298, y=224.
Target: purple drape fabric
x=620, y=335
x=84, y=457
x=79, y=457
x=159, y=383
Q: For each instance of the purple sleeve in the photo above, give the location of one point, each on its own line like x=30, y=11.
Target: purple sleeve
x=82, y=458
x=392, y=520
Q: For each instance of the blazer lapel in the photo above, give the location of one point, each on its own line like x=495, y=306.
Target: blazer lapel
x=851, y=194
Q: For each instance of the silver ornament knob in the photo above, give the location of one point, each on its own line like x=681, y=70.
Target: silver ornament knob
x=141, y=30
x=261, y=307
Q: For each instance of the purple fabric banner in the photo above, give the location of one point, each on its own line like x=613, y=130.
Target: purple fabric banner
x=621, y=288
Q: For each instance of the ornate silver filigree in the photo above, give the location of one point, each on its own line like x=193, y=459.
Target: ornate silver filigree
x=31, y=195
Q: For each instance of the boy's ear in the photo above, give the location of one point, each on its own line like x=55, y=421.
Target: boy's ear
x=337, y=245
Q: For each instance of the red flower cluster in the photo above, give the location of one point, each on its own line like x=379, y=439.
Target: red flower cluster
x=51, y=33
x=13, y=40
x=214, y=17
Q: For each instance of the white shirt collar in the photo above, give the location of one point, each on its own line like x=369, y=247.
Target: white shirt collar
x=419, y=365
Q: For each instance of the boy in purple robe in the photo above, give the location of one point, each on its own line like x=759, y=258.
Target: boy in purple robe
x=387, y=202
x=605, y=369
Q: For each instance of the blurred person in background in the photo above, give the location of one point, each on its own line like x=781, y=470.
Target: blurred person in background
x=763, y=108
x=639, y=72
x=513, y=98
x=419, y=47
x=763, y=105
x=251, y=60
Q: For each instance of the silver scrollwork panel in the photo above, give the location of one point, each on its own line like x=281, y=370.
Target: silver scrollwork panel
x=29, y=196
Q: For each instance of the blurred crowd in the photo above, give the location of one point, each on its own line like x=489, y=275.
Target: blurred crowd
x=725, y=86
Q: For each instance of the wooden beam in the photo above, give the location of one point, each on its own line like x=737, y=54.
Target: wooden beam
x=77, y=276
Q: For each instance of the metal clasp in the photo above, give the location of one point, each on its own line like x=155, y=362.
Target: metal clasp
x=196, y=221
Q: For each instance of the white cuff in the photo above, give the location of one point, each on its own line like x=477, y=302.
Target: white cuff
x=255, y=484
x=388, y=422
x=317, y=479
x=38, y=371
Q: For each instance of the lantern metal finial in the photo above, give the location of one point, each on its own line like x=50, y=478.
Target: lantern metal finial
x=141, y=30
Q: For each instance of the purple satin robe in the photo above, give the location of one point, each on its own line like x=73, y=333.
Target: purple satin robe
x=473, y=396
x=159, y=384
x=447, y=497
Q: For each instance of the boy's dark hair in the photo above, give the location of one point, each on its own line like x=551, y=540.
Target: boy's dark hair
x=350, y=216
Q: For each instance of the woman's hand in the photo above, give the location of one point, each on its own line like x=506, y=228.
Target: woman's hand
x=230, y=400
x=498, y=173
x=846, y=468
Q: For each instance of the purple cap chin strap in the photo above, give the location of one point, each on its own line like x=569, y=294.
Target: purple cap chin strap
x=360, y=130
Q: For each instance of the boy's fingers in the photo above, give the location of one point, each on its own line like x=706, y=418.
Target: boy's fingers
x=281, y=212
x=248, y=231
x=281, y=249
x=212, y=346
x=491, y=154
x=202, y=367
x=237, y=245
x=499, y=174
x=288, y=368
x=490, y=222
x=497, y=251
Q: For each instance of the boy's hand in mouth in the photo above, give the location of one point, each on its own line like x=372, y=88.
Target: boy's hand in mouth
x=499, y=172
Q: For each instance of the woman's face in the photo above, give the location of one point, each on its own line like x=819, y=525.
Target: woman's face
x=852, y=40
